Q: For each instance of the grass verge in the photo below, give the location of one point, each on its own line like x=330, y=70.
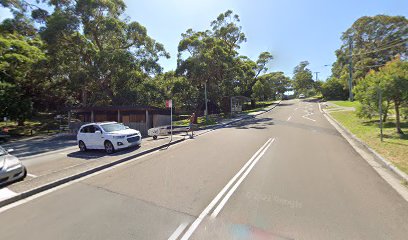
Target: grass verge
x=346, y=103
x=394, y=147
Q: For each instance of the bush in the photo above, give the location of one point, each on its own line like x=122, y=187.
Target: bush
x=334, y=89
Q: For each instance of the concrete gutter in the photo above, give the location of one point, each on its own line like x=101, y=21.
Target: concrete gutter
x=380, y=158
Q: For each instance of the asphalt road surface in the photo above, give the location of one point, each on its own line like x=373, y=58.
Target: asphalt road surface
x=286, y=174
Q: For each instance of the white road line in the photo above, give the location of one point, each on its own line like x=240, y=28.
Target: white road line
x=289, y=118
x=40, y=194
x=210, y=206
x=232, y=190
x=320, y=108
x=6, y=193
x=306, y=117
x=178, y=231
x=31, y=175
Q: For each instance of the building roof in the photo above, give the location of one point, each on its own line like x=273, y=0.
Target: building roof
x=121, y=108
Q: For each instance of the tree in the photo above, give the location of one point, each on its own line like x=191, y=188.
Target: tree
x=95, y=55
x=334, y=89
x=392, y=81
x=375, y=41
x=211, y=57
x=20, y=88
x=302, y=80
x=270, y=86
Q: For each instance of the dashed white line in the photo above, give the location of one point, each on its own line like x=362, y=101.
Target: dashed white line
x=178, y=231
x=289, y=118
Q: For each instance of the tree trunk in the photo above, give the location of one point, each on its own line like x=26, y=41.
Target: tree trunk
x=253, y=103
x=20, y=122
x=397, y=119
x=385, y=115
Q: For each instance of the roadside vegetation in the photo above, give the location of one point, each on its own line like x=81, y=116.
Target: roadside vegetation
x=61, y=54
x=394, y=147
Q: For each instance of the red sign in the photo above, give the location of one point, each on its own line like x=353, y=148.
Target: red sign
x=169, y=104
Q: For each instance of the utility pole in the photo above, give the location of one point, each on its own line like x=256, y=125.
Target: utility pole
x=317, y=74
x=380, y=110
x=350, y=69
x=206, y=107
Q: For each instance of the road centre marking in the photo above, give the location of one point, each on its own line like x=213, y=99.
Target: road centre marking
x=232, y=190
x=306, y=117
x=178, y=231
x=213, y=203
x=31, y=175
x=289, y=118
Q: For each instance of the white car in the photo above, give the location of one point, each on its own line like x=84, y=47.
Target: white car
x=11, y=169
x=302, y=95
x=107, y=135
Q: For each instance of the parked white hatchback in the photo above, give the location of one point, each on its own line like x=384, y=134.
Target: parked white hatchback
x=107, y=135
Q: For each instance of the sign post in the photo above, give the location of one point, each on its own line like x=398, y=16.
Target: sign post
x=169, y=104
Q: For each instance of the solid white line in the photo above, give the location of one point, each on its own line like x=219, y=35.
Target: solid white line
x=320, y=108
x=178, y=231
x=305, y=116
x=6, y=193
x=289, y=118
x=40, y=194
x=210, y=206
x=31, y=175
x=232, y=190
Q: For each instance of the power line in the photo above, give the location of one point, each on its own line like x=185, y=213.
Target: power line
x=384, y=48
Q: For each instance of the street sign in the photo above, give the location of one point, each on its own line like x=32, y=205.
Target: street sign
x=169, y=104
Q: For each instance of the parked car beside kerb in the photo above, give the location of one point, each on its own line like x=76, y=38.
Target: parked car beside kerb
x=11, y=168
x=110, y=136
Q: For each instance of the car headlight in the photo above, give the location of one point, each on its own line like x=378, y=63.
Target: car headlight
x=119, y=137
x=11, y=163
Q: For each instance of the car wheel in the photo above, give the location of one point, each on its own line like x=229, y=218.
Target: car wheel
x=109, y=147
x=24, y=174
x=154, y=137
x=82, y=146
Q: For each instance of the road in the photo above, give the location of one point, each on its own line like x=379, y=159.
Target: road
x=285, y=174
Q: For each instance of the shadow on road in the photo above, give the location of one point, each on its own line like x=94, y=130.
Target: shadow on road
x=39, y=145
x=95, y=154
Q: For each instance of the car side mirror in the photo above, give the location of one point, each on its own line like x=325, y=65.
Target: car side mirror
x=98, y=132
x=126, y=127
x=10, y=150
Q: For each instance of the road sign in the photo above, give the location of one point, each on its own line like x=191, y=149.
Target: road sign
x=169, y=104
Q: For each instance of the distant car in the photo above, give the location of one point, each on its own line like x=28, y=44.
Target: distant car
x=301, y=95
x=285, y=97
x=11, y=168
x=110, y=136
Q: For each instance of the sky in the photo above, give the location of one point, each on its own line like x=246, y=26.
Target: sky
x=292, y=30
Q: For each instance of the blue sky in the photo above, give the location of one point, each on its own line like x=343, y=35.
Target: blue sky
x=293, y=30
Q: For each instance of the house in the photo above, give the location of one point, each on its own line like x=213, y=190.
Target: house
x=137, y=117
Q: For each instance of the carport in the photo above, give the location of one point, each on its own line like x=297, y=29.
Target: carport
x=137, y=117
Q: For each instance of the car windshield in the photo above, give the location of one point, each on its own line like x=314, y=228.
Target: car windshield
x=113, y=127
x=2, y=151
